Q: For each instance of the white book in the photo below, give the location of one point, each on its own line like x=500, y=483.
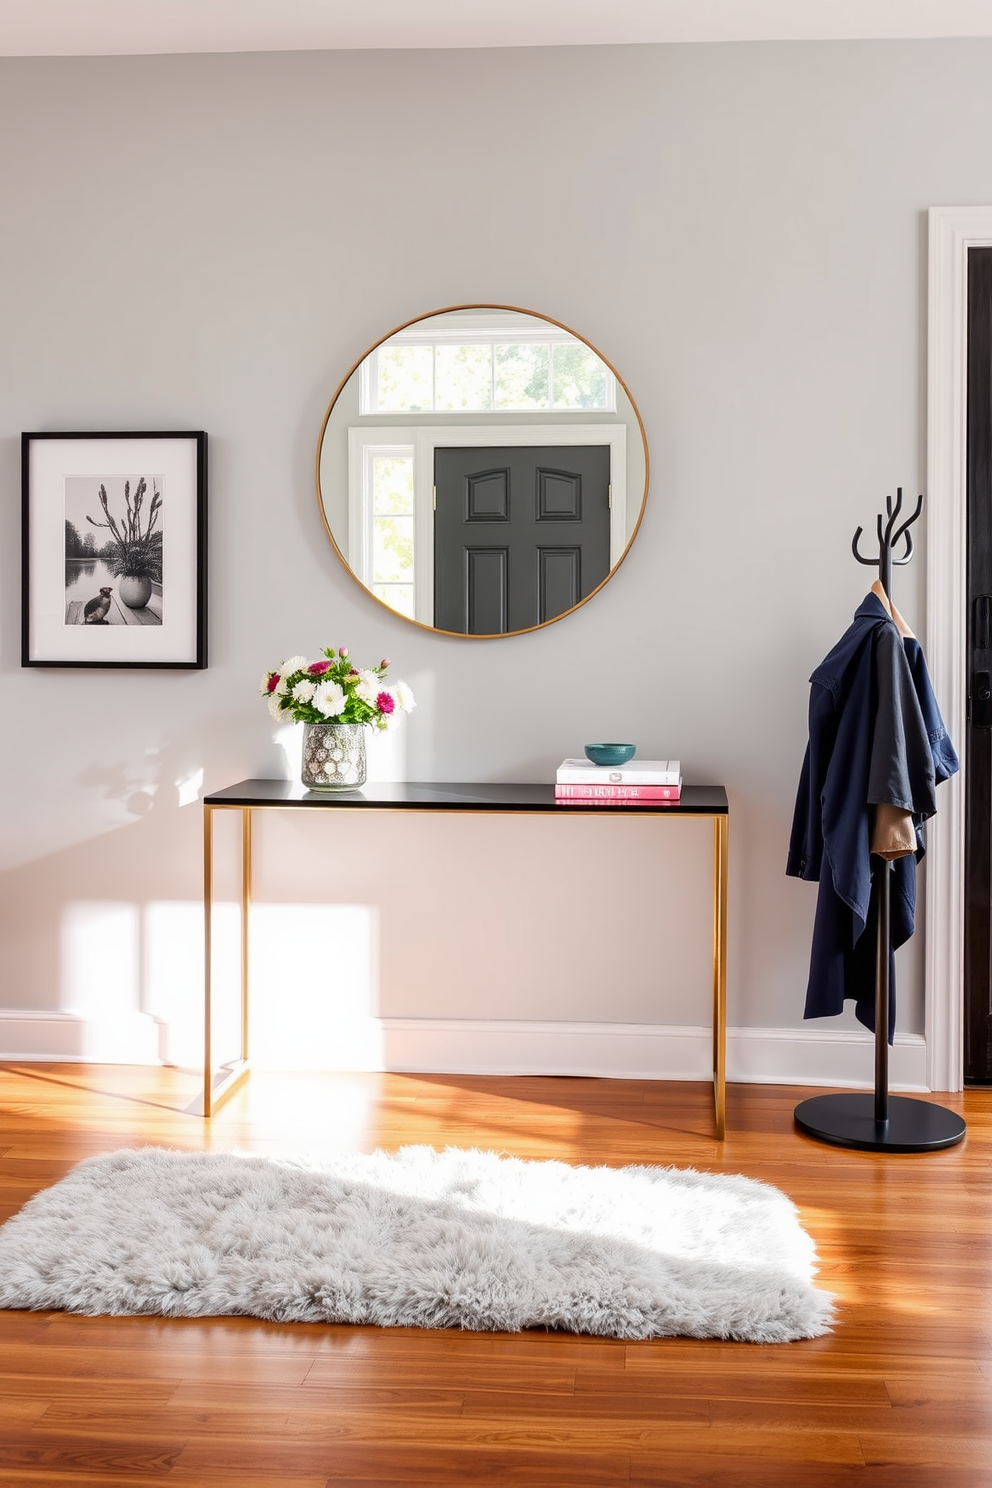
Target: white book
x=634, y=772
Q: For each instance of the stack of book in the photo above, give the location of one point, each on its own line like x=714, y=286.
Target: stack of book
x=653, y=782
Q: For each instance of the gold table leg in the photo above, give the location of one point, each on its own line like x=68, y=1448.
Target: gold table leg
x=208, y=917
x=245, y=913
x=217, y=1086
x=721, y=832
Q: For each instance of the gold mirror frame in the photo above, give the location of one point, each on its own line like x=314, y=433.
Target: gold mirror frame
x=353, y=370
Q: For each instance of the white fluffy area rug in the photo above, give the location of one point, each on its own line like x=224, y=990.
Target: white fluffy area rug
x=420, y=1238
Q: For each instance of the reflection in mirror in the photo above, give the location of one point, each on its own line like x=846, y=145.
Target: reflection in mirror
x=482, y=471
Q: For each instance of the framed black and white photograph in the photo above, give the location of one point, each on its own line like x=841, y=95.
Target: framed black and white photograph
x=114, y=549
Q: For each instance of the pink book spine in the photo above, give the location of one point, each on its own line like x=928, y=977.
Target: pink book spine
x=617, y=792
x=612, y=803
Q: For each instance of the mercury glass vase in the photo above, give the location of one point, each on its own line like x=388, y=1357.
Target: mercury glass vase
x=333, y=756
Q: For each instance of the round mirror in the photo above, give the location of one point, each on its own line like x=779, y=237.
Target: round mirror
x=482, y=470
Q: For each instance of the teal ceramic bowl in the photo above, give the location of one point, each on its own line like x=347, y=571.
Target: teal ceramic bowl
x=610, y=754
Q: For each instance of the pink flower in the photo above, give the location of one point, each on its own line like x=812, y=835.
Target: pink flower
x=353, y=672
x=273, y=681
x=342, y=652
x=317, y=668
x=384, y=663
x=385, y=702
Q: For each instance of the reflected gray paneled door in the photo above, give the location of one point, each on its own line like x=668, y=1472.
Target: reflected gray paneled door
x=521, y=534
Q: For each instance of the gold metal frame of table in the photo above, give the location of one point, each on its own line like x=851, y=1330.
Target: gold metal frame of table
x=261, y=795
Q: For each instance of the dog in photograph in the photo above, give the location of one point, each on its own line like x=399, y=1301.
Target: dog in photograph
x=95, y=610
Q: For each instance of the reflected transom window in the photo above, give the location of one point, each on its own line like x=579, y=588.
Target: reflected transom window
x=485, y=368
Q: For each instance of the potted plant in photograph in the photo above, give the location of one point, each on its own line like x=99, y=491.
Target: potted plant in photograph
x=134, y=554
x=336, y=701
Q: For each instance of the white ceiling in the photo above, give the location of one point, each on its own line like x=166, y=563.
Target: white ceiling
x=107, y=27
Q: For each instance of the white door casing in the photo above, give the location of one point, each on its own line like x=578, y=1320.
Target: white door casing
x=953, y=231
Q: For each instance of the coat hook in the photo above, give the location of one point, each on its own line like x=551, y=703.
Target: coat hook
x=904, y=531
x=887, y=538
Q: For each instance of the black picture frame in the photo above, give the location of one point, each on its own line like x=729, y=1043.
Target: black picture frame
x=134, y=595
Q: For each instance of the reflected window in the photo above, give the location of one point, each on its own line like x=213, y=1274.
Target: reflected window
x=389, y=502
x=477, y=370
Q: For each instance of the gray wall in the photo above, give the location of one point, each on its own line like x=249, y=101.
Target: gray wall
x=209, y=242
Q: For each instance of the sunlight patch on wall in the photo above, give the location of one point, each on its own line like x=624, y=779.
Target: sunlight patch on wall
x=135, y=981
x=100, y=980
x=99, y=958
x=189, y=789
x=290, y=741
x=386, y=754
x=173, y=979
x=315, y=987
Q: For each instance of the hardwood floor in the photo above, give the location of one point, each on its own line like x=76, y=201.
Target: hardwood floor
x=900, y=1394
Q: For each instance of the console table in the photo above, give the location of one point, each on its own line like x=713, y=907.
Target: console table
x=709, y=801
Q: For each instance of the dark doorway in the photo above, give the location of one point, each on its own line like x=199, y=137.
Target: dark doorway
x=978, y=770
x=521, y=534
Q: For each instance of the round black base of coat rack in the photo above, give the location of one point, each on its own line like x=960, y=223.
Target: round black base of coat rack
x=849, y=1121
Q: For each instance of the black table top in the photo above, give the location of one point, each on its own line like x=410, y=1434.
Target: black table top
x=429, y=795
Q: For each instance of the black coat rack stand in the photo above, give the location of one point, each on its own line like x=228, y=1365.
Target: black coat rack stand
x=880, y=1122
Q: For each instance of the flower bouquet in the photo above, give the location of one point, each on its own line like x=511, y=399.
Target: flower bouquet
x=336, y=701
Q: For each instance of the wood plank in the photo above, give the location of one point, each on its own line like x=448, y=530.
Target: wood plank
x=52, y=1388
x=675, y=1381
x=33, y=1449
x=20, y=1412
x=318, y=1452
x=122, y=614
x=936, y=1389
x=392, y=1467
x=174, y=1477
x=685, y=1470
x=411, y=1464
x=153, y=1362
x=216, y=1395
x=451, y=1372
x=204, y=1418
x=901, y=1448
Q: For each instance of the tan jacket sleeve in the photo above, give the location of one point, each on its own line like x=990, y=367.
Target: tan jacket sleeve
x=893, y=834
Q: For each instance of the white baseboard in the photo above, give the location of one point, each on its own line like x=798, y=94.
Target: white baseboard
x=820, y=1056
x=634, y=1051
x=67, y=1038
x=469, y=1046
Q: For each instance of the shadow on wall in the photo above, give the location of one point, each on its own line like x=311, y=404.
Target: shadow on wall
x=109, y=792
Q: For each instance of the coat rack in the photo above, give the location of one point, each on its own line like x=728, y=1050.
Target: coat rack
x=880, y=1122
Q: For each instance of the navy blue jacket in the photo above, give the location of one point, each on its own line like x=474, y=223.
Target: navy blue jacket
x=875, y=737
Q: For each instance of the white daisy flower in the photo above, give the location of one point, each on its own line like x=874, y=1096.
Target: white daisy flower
x=303, y=691
x=274, y=708
x=368, y=687
x=329, y=699
x=404, y=697
x=294, y=664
